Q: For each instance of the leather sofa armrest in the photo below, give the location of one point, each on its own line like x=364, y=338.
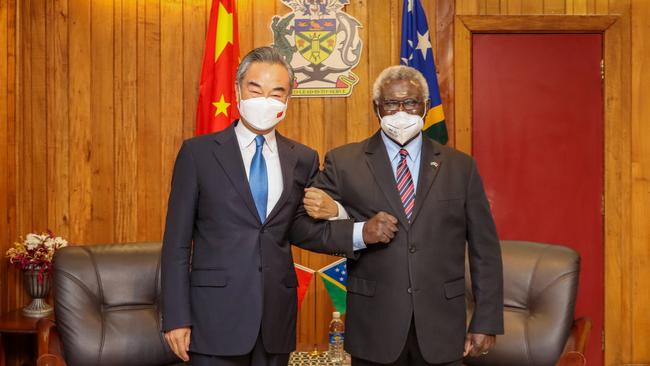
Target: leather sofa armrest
x=579, y=336
x=49, y=347
x=49, y=359
x=581, y=330
x=572, y=358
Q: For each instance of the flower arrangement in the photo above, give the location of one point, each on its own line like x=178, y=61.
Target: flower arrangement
x=36, y=252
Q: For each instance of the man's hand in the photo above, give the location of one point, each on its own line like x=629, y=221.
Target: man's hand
x=478, y=344
x=319, y=205
x=179, y=341
x=381, y=228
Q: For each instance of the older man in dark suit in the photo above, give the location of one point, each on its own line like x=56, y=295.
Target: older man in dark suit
x=405, y=302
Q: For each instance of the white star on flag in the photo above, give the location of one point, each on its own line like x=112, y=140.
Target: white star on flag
x=404, y=59
x=424, y=44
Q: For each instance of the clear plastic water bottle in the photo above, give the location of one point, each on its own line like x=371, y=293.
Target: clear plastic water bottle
x=337, y=336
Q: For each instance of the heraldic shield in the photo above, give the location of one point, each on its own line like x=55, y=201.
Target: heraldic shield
x=322, y=43
x=315, y=38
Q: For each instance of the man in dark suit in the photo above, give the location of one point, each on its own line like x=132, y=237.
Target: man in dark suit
x=228, y=281
x=405, y=302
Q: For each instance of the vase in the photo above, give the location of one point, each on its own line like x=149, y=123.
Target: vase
x=38, y=291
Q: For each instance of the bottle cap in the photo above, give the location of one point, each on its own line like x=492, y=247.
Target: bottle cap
x=336, y=315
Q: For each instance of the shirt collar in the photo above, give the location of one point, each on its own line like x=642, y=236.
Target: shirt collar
x=414, y=147
x=246, y=137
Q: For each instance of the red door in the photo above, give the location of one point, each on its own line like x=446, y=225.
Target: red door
x=538, y=140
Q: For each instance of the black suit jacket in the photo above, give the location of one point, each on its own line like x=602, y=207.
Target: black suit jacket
x=420, y=273
x=224, y=273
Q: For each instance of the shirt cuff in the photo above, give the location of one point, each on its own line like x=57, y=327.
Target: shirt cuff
x=343, y=215
x=357, y=236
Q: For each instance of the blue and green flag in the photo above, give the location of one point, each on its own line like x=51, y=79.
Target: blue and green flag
x=416, y=52
x=335, y=279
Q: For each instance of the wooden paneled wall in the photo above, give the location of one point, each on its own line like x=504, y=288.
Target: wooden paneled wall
x=96, y=97
x=533, y=7
x=7, y=146
x=635, y=266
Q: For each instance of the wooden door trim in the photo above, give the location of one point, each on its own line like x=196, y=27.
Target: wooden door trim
x=537, y=23
x=617, y=150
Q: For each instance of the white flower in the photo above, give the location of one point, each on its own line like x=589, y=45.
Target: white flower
x=33, y=239
x=59, y=242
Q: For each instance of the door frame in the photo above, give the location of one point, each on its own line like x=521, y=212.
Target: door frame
x=617, y=157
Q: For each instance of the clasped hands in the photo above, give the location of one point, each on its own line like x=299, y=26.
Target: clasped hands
x=380, y=228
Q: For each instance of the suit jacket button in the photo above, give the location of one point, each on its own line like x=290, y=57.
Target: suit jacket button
x=412, y=249
x=409, y=290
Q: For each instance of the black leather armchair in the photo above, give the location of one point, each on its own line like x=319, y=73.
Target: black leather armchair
x=106, y=308
x=540, y=288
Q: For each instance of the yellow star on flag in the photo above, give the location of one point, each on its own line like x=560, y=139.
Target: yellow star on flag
x=224, y=31
x=222, y=106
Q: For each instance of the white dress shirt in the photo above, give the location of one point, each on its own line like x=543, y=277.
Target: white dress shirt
x=246, y=140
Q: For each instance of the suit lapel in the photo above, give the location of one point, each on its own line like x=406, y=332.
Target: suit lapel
x=430, y=165
x=226, y=151
x=380, y=166
x=288, y=161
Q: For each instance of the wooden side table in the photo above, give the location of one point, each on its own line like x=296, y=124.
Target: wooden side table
x=15, y=323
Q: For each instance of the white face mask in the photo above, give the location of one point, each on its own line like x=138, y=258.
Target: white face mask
x=262, y=113
x=401, y=126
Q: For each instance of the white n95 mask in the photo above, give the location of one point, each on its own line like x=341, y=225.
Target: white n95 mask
x=401, y=126
x=262, y=113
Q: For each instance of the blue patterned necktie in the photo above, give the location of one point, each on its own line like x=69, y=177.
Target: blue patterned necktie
x=405, y=185
x=258, y=179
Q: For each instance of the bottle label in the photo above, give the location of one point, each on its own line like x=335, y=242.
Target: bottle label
x=336, y=337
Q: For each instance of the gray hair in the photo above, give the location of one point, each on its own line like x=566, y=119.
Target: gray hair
x=266, y=54
x=399, y=72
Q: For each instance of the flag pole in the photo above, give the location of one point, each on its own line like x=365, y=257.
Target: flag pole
x=315, y=352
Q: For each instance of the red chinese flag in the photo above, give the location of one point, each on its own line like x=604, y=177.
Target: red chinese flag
x=304, y=275
x=217, y=104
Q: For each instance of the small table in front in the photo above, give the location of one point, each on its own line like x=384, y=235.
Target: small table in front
x=15, y=323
